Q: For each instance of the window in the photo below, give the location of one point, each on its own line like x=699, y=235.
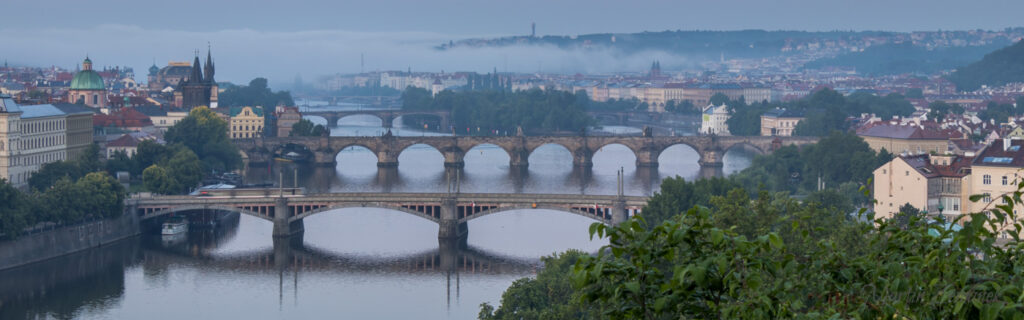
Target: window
x=987, y=199
x=986, y=179
x=1005, y=182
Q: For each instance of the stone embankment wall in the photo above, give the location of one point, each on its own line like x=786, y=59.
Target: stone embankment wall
x=58, y=242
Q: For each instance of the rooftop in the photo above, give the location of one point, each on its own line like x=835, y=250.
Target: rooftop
x=1002, y=153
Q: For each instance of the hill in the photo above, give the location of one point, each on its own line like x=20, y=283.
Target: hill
x=997, y=68
x=900, y=58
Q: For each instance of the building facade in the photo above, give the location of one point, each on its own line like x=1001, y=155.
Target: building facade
x=938, y=184
x=713, y=120
x=246, y=122
x=286, y=118
x=79, y=129
x=87, y=87
x=995, y=171
x=780, y=122
x=905, y=139
x=30, y=136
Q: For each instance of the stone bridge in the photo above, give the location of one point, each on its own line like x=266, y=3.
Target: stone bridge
x=387, y=117
x=387, y=147
x=451, y=211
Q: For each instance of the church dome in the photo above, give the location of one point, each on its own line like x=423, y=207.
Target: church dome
x=87, y=79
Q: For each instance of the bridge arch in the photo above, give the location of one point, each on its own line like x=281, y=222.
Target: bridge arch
x=578, y=212
x=194, y=207
x=610, y=147
x=433, y=218
x=479, y=148
x=746, y=145
x=359, y=115
x=678, y=154
x=318, y=117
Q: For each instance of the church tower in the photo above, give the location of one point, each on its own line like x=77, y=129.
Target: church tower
x=195, y=91
x=209, y=70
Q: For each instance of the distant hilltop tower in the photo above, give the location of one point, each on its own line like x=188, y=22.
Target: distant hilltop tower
x=533, y=29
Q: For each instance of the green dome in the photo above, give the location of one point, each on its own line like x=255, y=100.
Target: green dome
x=87, y=80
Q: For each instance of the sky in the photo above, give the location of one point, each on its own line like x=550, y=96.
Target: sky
x=284, y=39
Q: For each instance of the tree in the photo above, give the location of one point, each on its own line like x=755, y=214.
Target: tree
x=305, y=128
x=906, y=216
x=12, y=211
x=156, y=179
x=105, y=195
x=678, y=195
x=186, y=169
x=915, y=93
x=719, y=99
x=549, y=296
x=206, y=135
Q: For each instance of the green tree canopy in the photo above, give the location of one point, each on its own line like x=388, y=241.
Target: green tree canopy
x=206, y=135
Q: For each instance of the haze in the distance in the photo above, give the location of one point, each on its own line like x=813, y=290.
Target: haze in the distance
x=282, y=39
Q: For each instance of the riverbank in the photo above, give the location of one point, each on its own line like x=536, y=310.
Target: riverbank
x=37, y=247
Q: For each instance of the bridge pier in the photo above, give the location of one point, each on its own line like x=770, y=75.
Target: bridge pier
x=647, y=157
x=711, y=158
x=387, y=121
x=387, y=159
x=332, y=120
x=619, y=212
x=450, y=227
x=519, y=158
x=453, y=157
x=583, y=158
x=282, y=227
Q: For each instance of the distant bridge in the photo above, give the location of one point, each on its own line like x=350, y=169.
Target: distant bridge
x=451, y=211
x=388, y=116
x=387, y=148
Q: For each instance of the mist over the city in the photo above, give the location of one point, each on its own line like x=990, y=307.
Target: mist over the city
x=509, y=160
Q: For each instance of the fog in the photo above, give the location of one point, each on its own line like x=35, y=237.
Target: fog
x=243, y=54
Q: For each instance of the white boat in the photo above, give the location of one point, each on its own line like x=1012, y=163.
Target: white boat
x=174, y=227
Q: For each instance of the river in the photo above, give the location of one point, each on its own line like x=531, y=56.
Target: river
x=352, y=263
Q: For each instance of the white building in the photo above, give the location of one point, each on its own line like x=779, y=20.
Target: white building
x=713, y=120
x=30, y=136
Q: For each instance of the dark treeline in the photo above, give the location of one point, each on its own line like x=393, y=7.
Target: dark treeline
x=63, y=192
x=258, y=94
x=900, y=58
x=503, y=111
x=997, y=68
x=824, y=110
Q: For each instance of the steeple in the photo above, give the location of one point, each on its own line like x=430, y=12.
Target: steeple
x=208, y=69
x=196, y=76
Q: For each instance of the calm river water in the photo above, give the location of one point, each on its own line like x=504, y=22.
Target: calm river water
x=352, y=263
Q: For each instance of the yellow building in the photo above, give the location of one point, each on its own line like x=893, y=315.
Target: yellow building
x=996, y=171
x=246, y=122
x=780, y=122
x=905, y=139
x=925, y=182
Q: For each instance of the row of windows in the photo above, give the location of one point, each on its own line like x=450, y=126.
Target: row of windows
x=29, y=127
x=37, y=159
x=36, y=143
x=246, y=128
x=987, y=179
x=245, y=135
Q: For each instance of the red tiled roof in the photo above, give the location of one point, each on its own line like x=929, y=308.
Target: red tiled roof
x=922, y=163
x=124, y=141
x=994, y=152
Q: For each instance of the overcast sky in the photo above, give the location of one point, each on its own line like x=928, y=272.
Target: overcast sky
x=280, y=39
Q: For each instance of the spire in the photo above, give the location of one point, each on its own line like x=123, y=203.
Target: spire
x=208, y=69
x=196, y=76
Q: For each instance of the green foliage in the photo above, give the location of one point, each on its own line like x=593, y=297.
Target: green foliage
x=73, y=169
x=682, y=107
x=483, y=111
x=827, y=110
x=257, y=93
x=186, y=169
x=938, y=110
x=629, y=105
x=305, y=128
x=13, y=211
x=907, y=215
x=914, y=93
x=1000, y=112
x=158, y=180
x=900, y=58
x=549, y=296
x=745, y=120
x=206, y=134
x=678, y=195
x=997, y=68
x=790, y=260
